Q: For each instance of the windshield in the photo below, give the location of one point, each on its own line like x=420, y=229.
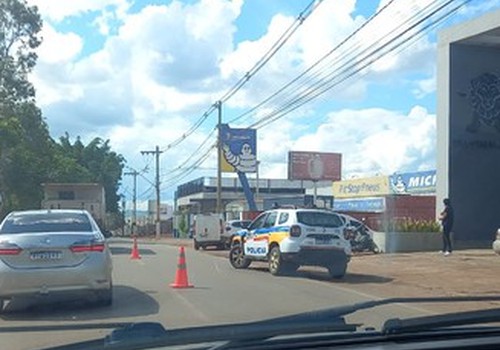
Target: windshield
x=242, y=160
x=319, y=219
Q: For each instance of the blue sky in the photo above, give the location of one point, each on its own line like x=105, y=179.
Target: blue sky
x=142, y=72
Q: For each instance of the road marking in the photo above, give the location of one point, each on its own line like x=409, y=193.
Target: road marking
x=199, y=314
x=217, y=268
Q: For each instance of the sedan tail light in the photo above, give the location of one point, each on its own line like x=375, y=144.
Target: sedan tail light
x=295, y=231
x=9, y=249
x=83, y=247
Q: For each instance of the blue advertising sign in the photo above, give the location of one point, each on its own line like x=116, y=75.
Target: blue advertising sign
x=367, y=205
x=413, y=183
x=239, y=150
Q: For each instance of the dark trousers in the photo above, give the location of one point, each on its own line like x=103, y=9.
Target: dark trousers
x=446, y=239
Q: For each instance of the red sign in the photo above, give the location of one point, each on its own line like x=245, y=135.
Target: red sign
x=314, y=166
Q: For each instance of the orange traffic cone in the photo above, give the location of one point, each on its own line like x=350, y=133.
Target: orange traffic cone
x=135, y=251
x=181, y=277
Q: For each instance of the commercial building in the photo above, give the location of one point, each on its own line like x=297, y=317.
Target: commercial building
x=468, y=127
x=382, y=200
x=200, y=195
x=88, y=196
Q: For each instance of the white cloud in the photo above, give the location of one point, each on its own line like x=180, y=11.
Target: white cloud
x=161, y=68
x=139, y=75
x=424, y=87
x=55, y=59
x=58, y=47
x=376, y=140
x=57, y=10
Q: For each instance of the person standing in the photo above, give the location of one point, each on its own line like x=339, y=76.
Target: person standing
x=446, y=218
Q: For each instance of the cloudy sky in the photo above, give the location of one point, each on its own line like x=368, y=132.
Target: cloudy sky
x=356, y=77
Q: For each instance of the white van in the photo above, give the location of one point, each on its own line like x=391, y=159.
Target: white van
x=207, y=231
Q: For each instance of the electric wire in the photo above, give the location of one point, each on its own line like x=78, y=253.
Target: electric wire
x=327, y=84
x=310, y=8
x=351, y=61
x=193, y=154
x=313, y=66
x=187, y=171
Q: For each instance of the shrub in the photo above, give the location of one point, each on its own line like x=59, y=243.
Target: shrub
x=412, y=225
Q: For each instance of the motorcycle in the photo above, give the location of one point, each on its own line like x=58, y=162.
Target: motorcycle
x=360, y=239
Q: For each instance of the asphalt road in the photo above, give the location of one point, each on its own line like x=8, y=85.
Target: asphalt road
x=220, y=294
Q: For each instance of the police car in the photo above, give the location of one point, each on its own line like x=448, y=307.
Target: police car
x=289, y=238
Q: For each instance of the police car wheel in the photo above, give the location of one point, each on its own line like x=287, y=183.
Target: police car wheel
x=237, y=258
x=276, y=266
x=196, y=245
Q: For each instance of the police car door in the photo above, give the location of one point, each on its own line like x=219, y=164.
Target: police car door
x=258, y=239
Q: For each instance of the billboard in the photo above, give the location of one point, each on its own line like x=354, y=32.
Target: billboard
x=366, y=187
x=314, y=166
x=413, y=183
x=239, y=150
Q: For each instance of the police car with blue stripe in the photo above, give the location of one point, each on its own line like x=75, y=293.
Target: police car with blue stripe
x=289, y=238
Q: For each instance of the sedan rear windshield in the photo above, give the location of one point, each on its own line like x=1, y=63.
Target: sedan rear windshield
x=46, y=222
x=313, y=218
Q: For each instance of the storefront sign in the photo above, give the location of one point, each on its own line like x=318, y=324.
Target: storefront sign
x=367, y=205
x=366, y=187
x=414, y=183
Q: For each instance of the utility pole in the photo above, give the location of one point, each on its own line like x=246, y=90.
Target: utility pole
x=157, y=153
x=219, y=158
x=123, y=215
x=257, y=187
x=134, y=200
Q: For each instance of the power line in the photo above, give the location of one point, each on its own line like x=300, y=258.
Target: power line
x=191, y=130
x=309, y=9
x=188, y=170
x=329, y=82
x=146, y=193
x=316, y=64
x=193, y=154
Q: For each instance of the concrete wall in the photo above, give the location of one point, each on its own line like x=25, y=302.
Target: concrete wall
x=468, y=128
x=405, y=242
x=474, y=186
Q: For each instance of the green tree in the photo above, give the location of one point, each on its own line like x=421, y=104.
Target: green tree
x=28, y=155
x=25, y=137
x=95, y=162
x=28, y=159
x=20, y=26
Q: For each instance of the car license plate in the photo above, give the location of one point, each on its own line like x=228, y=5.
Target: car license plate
x=46, y=255
x=323, y=241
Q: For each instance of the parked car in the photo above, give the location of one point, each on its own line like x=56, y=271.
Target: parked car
x=289, y=238
x=207, y=230
x=54, y=253
x=233, y=226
